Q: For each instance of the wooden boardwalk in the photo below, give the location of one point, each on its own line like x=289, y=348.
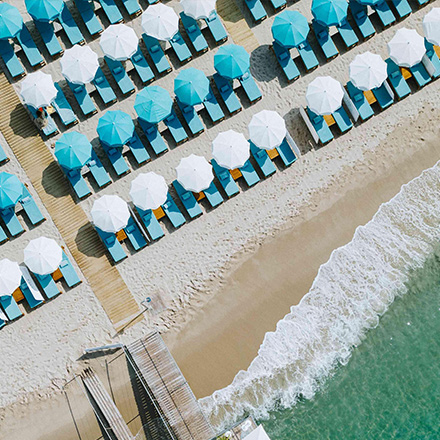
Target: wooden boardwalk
x=70, y=219
x=236, y=25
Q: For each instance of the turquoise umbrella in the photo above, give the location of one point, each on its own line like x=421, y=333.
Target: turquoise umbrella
x=153, y=104
x=44, y=10
x=191, y=86
x=330, y=12
x=290, y=29
x=231, y=61
x=11, y=190
x=115, y=128
x=73, y=150
x=369, y=2
x=11, y=21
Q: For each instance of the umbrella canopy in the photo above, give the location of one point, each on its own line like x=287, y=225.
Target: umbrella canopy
x=11, y=21
x=119, y=42
x=160, y=21
x=44, y=10
x=110, y=214
x=290, y=29
x=153, y=104
x=324, y=95
x=73, y=150
x=194, y=173
x=43, y=256
x=267, y=129
x=149, y=191
x=79, y=64
x=191, y=86
x=38, y=90
x=330, y=12
x=431, y=26
x=11, y=190
x=369, y=2
x=407, y=47
x=198, y=9
x=257, y=434
x=231, y=61
x=368, y=71
x=115, y=128
x=230, y=149
x=10, y=277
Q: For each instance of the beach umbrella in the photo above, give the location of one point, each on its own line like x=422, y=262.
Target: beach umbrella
x=153, y=104
x=115, y=128
x=110, y=213
x=79, y=64
x=194, y=173
x=73, y=150
x=369, y=2
x=368, y=71
x=330, y=12
x=231, y=61
x=290, y=29
x=431, y=26
x=198, y=9
x=11, y=21
x=149, y=191
x=191, y=86
x=10, y=277
x=44, y=10
x=43, y=255
x=230, y=149
x=119, y=42
x=267, y=129
x=407, y=47
x=160, y=21
x=324, y=95
x=257, y=434
x=38, y=90
x=11, y=190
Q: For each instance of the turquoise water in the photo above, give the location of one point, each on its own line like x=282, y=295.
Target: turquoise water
x=390, y=388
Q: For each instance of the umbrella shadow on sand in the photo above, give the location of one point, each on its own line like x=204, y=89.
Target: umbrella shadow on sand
x=88, y=242
x=263, y=63
x=54, y=183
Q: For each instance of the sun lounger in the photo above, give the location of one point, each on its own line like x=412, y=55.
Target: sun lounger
x=194, y=33
x=383, y=97
x=78, y=183
x=113, y=246
x=402, y=8
x=11, y=60
x=249, y=174
x=29, y=48
x=396, y=79
x=421, y=3
x=175, y=127
x=132, y=7
x=3, y=157
x=384, y=13
x=138, y=150
x=188, y=200
x=216, y=28
x=256, y=9
x=31, y=208
x=360, y=102
x=89, y=18
x=51, y=128
x=152, y=2
x=278, y=4
x=68, y=271
x=103, y=88
x=224, y=87
x=263, y=160
x=48, y=285
x=63, y=108
x=308, y=56
x=49, y=38
x=420, y=74
x=157, y=54
x=70, y=27
x=342, y=120
x=10, y=307
x=213, y=108
x=134, y=235
x=83, y=99
x=226, y=180
x=154, y=138
x=360, y=15
x=433, y=58
x=250, y=87
x=2, y=319
x=180, y=48
x=98, y=171
x=120, y=76
x=173, y=213
x=320, y=126
x=11, y=221
x=325, y=41
x=118, y=162
x=286, y=62
x=213, y=195
x=3, y=236
x=286, y=153
x=191, y=117
x=111, y=11
x=142, y=67
x=347, y=34
x=151, y=224
x=29, y=289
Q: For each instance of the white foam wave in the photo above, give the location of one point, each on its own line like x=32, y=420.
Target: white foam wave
x=349, y=294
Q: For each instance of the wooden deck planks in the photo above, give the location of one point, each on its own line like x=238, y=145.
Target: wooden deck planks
x=70, y=219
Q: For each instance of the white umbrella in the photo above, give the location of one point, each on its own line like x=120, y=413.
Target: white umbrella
x=43, y=256
x=368, y=71
x=119, y=42
x=431, y=26
x=110, y=213
x=267, y=129
x=324, y=95
x=149, y=191
x=407, y=47
x=10, y=277
x=38, y=90
x=79, y=64
x=194, y=173
x=160, y=21
x=257, y=434
x=230, y=149
x=198, y=9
